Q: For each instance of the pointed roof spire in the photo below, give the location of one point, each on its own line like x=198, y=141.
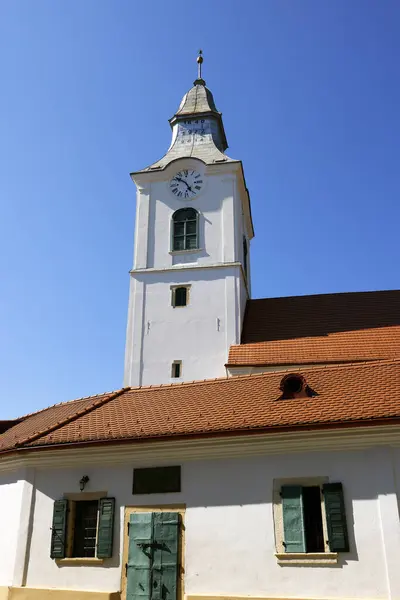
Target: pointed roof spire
x=208, y=143
x=199, y=60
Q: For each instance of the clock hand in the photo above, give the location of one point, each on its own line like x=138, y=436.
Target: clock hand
x=185, y=182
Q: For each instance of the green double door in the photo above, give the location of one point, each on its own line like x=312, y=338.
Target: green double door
x=152, y=569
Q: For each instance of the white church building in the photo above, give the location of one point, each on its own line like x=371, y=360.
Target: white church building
x=254, y=450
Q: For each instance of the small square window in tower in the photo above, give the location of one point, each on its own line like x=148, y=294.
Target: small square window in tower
x=180, y=296
x=176, y=369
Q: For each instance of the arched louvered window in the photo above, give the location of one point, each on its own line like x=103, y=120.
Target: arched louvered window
x=185, y=229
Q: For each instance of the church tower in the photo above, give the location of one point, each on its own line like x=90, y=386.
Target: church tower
x=190, y=279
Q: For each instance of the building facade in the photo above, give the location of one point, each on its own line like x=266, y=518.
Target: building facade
x=190, y=280
x=254, y=450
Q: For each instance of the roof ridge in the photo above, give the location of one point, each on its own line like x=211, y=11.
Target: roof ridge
x=159, y=387
x=325, y=294
x=317, y=337
x=37, y=412
x=70, y=418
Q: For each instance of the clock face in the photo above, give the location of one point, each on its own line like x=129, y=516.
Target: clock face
x=186, y=184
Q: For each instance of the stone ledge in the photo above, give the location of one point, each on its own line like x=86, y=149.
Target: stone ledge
x=25, y=593
x=75, y=562
x=307, y=558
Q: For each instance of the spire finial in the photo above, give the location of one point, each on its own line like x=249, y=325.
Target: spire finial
x=199, y=60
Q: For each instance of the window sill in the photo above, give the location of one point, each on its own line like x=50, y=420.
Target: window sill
x=312, y=558
x=192, y=251
x=75, y=562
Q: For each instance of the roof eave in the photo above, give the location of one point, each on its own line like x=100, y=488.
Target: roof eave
x=299, y=427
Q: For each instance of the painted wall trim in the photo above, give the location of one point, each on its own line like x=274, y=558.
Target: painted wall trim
x=191, y=267
x=143, y=453
x=205, y=597
x=24, y=593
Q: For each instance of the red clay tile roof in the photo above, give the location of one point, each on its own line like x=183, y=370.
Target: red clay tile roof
x=47, y=419
x=352, y=394
x=319, y=329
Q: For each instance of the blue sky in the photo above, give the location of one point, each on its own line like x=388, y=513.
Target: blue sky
x=310, y=96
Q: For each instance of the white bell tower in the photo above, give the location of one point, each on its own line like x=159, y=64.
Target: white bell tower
x=190, y=279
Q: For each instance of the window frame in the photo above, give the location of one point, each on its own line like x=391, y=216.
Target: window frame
x=173, y=289
x=72, y=499
x=75, y=528
x=172, y=234
x=174, y=363
x=283, y=557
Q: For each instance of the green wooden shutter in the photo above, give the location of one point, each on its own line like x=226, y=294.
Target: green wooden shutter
x=140, y=554
x=293, y=520
x=105, y=532
x=165, y=557
x=59, y=529
x=338, y=538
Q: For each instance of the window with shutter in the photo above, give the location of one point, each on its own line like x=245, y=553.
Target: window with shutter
x=293, y=519
x=89, y=530
x=105, y=531
x=59, y=529
x=309, y=525
x=338, y=538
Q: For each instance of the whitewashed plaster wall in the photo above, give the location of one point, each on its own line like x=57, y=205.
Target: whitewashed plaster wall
x=200, y=334
x=230, y=531
x=11, y=494
x=221, y=218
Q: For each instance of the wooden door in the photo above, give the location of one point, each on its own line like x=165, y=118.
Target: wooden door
x=152, y=568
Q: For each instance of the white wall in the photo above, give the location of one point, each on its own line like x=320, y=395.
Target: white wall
x=216, y=205
x=11, y=487
x=200, y=334
x=230, y=531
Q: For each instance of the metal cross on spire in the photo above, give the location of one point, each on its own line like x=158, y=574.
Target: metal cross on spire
x=199, y=62
x=199, y=80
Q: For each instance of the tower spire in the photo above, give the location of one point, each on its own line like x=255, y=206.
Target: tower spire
x=199, y=60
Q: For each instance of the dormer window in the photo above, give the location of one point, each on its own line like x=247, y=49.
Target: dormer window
x=294, y=385
x=185, y=229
